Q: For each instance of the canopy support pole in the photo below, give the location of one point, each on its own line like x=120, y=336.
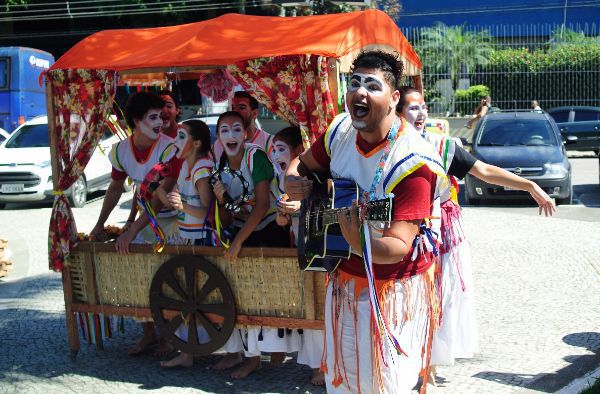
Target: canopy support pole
x=333, y=72
x=72, y=334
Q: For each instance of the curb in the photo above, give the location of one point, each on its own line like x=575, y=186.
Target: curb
x=580, y=384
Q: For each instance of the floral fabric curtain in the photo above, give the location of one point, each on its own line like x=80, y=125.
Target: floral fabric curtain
x=294, y=87
x=81, y=100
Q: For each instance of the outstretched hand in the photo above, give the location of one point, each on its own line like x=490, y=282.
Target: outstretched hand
x=543, y=200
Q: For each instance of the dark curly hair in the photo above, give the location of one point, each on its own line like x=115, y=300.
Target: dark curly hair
x=139, y=103
x=388, y=62
x=404, y=91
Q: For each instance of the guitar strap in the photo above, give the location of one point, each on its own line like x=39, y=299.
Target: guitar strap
x=383, y=330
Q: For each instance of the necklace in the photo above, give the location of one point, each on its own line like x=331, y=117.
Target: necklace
x=392, y=136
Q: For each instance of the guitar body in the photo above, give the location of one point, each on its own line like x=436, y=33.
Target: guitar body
x=321, y=246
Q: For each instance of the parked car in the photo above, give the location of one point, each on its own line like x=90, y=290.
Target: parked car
x=581, y=122
x=3, y=135
x=26, y=174
x=527, y=144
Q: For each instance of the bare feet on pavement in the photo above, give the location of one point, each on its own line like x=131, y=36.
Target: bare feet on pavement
x=318, y=377
x=277, y=358
x=143, y=345
x=182, y=360
x=228, y=361
x=250, y=365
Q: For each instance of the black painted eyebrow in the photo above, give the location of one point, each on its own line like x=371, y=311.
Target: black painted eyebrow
x=356, y=77
x=371, y=79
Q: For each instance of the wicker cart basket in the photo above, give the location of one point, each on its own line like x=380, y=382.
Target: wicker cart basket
x=263, y=287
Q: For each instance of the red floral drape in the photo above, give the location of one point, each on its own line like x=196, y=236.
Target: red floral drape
x=294, y=87
x=81, y=100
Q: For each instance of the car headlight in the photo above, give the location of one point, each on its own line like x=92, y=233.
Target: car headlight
x=555, y=169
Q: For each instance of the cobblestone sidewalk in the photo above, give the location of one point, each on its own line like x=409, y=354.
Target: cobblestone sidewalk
x=538, y=298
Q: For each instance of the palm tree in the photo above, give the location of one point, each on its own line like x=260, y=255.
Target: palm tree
x=454, y=50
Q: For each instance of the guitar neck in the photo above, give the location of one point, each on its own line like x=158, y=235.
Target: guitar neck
x=330, y=216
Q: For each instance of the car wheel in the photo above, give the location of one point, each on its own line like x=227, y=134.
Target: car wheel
x=78, y=196
x=567, y=200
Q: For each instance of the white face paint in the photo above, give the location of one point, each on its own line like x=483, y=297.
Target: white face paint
x=151, y=124
x=416, y=113
x=231, y=135
x=281, y=155
x=372, y=83
x=183, y=141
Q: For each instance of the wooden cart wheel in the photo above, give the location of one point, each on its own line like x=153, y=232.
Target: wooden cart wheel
x=192, y=305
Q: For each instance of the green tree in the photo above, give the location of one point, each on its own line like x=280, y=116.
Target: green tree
x=454, y=50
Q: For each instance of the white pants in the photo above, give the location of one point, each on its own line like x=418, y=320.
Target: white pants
x=252, y=342
x=359, y=367
x=311, y=350
x=457, y=336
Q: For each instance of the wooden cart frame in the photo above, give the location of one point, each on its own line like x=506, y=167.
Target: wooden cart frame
x=266, y=286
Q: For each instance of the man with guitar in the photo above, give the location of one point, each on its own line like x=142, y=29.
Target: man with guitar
x=381, y=303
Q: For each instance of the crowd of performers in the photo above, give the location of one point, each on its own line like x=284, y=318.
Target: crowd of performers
x=402, y=304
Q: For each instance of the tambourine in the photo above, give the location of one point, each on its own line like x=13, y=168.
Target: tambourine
x=232, y=205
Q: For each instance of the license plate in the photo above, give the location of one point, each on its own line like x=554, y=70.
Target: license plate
x=12, y=188
x=511, y=189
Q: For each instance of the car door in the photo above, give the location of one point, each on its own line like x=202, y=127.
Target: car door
x=98, y=170
x=585, y=125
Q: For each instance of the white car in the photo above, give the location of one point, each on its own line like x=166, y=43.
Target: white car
x=26, y=173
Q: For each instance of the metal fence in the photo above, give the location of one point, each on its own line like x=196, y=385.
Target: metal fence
x=553, y=64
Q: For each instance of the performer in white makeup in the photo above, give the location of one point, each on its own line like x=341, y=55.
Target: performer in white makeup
x=253, y=225
x=247, y=106
x=135, y=157
x=378, y=327
x=287, y=145
x=192, y=198
x=457, y=335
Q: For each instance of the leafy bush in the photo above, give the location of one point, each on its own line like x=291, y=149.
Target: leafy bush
x=567, y=72
x=468, y=99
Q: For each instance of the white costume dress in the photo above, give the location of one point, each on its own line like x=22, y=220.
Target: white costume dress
x=355, y=360
x=192, y=227
x=457, y=336
x=123, y=159
x=255, y=339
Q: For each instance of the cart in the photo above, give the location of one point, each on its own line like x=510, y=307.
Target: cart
x=191, y=286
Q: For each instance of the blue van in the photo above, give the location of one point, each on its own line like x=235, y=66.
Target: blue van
x=21, y=96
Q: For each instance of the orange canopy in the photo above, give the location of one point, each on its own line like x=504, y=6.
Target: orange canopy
x=232, y=37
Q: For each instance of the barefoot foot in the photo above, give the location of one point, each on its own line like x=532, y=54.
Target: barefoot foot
x=250, y=365
x=182, y=360
x=143, y=346
x=318, y=377
x=431, y=376
x=228, y=361
x=277, y=358
x=164, y=348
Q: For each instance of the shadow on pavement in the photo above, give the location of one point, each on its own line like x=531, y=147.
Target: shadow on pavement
x=34, y=347
x=551, y=382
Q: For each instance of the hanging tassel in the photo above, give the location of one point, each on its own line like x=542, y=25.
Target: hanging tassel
x=383, y=330
x=160, y=234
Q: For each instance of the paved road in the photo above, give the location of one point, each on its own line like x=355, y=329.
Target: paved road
x=538, y=297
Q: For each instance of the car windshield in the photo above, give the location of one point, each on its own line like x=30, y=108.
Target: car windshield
x=29, y=136
x=515, y=132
